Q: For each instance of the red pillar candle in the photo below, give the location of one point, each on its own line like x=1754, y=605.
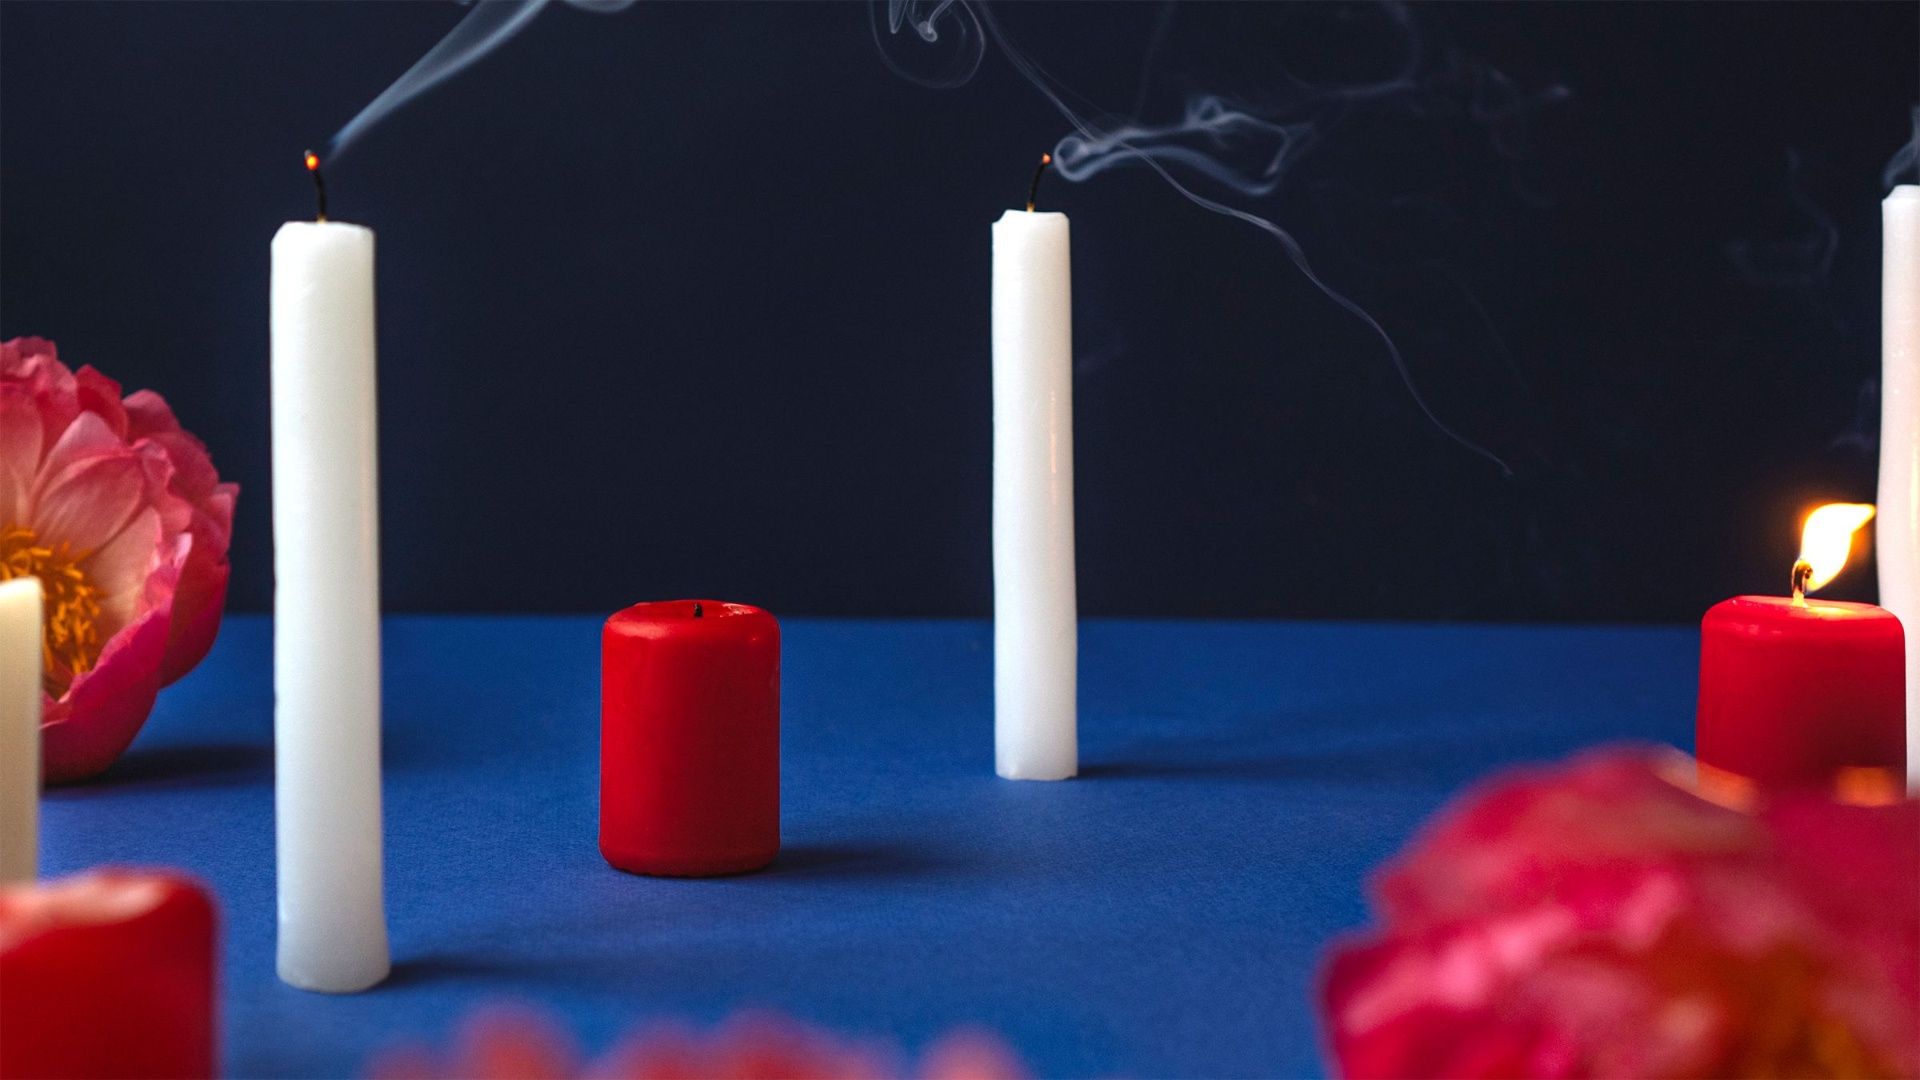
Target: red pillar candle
x=1794, y=690
x=107, y=973
x=1791, y=694
x=690, y=738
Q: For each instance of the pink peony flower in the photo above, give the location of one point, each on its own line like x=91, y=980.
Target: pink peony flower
x=119, y=513
x=1600, y=919
x=516, y=1044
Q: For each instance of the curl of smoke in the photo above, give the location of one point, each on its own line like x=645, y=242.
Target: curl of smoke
x=1905, y=165
x=489, y=25
x=1246, y=151
x=959, y=48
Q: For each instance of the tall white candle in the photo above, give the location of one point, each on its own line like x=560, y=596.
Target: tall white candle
x=326, y=628
x=19, y=729
x=1897, y=526
x=1035, y=627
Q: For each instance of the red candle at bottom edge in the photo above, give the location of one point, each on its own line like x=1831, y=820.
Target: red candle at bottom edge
x=1791, y=693
x=107, y=973
x=690, y=738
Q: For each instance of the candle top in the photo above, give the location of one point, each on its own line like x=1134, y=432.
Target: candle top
x=16, y=590
x=1036, y=217
x=323, y=233
x=1757, y=614
x=1904, y=191
x=678, y=618
x=1812, y=608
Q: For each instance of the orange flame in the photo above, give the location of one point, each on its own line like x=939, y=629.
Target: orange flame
x=1828, y=536
x=313, y=161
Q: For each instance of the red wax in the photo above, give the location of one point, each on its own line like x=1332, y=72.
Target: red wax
x=1791, y=693
x=107, y=973
x=690, y=738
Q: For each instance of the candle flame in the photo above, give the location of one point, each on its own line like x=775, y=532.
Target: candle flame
x=1827, y=537
x=313, y=161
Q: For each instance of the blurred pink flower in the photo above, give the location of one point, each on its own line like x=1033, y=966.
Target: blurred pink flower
x=1600, y=919
x=517, y=1044
x=120, y=514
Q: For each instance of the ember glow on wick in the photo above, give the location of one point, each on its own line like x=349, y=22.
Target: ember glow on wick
x=319, y=183
x=1033, y=189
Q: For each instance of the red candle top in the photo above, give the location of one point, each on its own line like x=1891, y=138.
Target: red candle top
x=107, y=973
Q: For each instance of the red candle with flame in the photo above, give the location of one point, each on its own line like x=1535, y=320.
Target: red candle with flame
x=690, y=738
x=1796, y=692
x=107, y=973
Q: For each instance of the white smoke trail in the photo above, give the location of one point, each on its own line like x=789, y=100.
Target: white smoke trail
x=483, y=29
x=1906, y=160
x=1245, y=150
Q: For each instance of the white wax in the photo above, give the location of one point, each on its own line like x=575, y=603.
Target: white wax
x=19, y=729
x=326, y=625
x=1897, y=524
x=1035, y=628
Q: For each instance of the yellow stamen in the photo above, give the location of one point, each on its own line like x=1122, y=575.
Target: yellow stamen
x=70, y=638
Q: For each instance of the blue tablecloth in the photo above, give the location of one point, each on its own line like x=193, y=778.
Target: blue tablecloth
x=1162, y=915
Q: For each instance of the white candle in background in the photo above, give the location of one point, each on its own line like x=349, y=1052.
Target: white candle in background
x=1035, y=628
x=1897, y=527
x=326, y=627
x=19, y=729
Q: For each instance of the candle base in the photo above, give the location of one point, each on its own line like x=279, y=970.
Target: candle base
x=1009, y=772
x=332, y=973
x=689, y=868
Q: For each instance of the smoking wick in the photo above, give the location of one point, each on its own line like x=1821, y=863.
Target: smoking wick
x=320, y=182
x=1033, y=190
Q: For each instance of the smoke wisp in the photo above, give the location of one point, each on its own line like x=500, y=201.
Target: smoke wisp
x=489, y=25
x=1904, y=168
x=1237, y=150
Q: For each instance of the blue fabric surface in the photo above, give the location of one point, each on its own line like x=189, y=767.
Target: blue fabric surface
x=1162, y=915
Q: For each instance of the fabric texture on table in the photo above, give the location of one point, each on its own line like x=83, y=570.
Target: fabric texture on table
x=1161, y=915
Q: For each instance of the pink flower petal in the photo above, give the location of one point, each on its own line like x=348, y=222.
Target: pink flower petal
x=197, y=606
x=32, y=364
x=101, y=396
x=85, y=436
x=88, y=728
x=120, y=571
x=91, y=502
x=20, y=445
x=148, y=414
x=149, y=418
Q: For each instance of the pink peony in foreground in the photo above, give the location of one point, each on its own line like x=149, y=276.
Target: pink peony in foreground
x=1599, y=919
x=505, y=1043
x=121, y=516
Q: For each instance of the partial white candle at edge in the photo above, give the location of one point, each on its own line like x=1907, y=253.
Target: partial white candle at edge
x=20, y=666
x=1035, y=618
x=1897, y=528
x=326, y=642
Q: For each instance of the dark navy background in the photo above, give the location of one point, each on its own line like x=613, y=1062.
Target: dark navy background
x=693, y=299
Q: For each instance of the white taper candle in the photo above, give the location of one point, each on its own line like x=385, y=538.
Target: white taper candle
x=1897, y=525
x=20, y=665
x=1035, y=620
x=326, y=628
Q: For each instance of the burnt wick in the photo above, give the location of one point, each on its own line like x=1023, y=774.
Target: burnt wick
x=1033, y=189
x=319, y=182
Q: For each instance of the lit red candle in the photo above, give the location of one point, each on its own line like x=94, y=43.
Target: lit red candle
x=1795, y=692
x=690, y=738
x=107, y=973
